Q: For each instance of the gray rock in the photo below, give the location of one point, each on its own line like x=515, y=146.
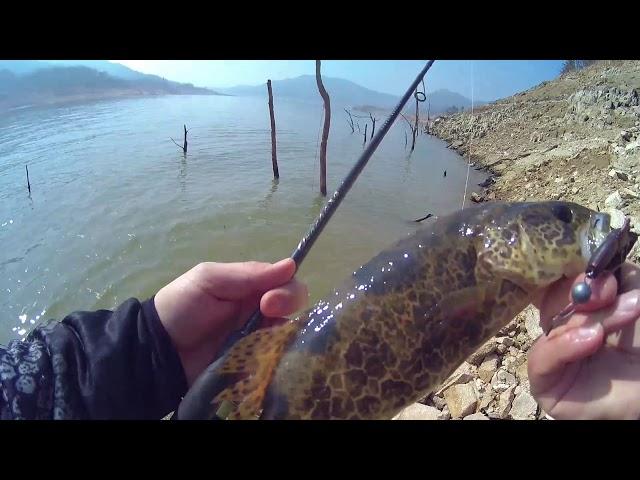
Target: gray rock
x=504, y=402
x=614, y=200
x=461, y=399
x=524, y=407
x=617, y=217
x=438, y=402
x=478, y=356
x=476, y=198
x=628, y=194
x=476, y=416
x=507, y=329
x=463, y=374
x=418, y=411
x=622, y=175
x=632, y=146
x=444, y=414
x=521, y=340
x=502, y=377
x=508, y=363
x=532, y=322
x=486, y=399
x=488, y=367
x=506, y=341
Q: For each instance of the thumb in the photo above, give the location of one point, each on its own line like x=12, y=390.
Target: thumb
x=234, y=281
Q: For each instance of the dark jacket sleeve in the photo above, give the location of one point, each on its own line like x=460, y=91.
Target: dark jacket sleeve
x=117, y=364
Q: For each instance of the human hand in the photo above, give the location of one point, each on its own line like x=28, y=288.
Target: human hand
x=589, y=367
x=202, y=307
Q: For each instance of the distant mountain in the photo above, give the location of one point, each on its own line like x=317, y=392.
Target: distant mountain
x=35, y=82
x=345, y=92
x=114, y=69
x=23, y=67
x=443, y=99
x=341, y=91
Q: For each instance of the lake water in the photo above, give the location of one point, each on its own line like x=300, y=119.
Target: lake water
x=116, y=210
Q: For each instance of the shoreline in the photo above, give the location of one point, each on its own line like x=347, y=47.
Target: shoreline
x=575, y=138
x=79, y=99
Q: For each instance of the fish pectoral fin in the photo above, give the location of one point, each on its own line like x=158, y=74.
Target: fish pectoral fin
x=253, y=359
x=467, y=301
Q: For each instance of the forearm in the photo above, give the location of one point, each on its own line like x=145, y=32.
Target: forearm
x=94, y=365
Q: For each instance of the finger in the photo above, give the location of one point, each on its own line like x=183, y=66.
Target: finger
x=575, y=340
x=234, y=281
x=630, y=276
x=603, y=293
x=624, y=311
x=549, y=356
x=285, y=300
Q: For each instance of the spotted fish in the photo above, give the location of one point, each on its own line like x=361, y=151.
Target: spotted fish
x=404, y=321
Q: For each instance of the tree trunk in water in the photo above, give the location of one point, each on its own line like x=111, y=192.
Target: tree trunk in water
x=415, y=126
x=28, y=184
x=365, y=133
x=373, y=126
x=184, y=147
x=274, y=158
x=325, y=130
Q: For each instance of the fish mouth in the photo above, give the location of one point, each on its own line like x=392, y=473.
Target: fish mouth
x=598, y=231
x=594, y=234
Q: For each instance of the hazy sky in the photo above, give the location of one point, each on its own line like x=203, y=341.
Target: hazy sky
x=491, y=79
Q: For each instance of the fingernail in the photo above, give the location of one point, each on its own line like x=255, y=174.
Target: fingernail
x=276, y=305
x=586, y=333
x=281, y=262
x=629, y=301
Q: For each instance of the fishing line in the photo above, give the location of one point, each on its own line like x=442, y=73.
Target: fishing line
x=466, y=183
x=198, y=403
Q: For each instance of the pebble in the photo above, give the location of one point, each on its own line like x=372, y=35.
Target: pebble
x=614, y=200
x=476, y=416
x=461, y=399
x=504, y=402
x=418, y=411
x=488, y=368
x=506, y=341
x=524, y=407
x=438, y=402
x=478, y=356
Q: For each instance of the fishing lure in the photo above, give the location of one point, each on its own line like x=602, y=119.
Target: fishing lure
x=608, y=257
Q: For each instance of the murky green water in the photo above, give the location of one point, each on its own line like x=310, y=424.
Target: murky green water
x=116, y=211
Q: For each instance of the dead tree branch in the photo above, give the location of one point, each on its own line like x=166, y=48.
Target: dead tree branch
x=274, y=158
x=350, y=120
x=325, y=130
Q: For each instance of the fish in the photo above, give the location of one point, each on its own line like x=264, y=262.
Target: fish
x=403, y=322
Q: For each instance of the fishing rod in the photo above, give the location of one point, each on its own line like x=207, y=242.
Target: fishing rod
x=197, y=403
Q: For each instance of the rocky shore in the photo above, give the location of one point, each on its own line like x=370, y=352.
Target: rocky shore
x=576, y=138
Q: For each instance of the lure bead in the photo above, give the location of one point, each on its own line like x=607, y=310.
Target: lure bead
x=581, y=293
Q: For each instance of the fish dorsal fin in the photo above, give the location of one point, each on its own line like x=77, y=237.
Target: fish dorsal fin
x=252, y=362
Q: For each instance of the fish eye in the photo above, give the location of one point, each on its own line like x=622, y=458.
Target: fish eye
x=562, y=213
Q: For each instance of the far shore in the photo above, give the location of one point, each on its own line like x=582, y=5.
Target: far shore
x=89, y=97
